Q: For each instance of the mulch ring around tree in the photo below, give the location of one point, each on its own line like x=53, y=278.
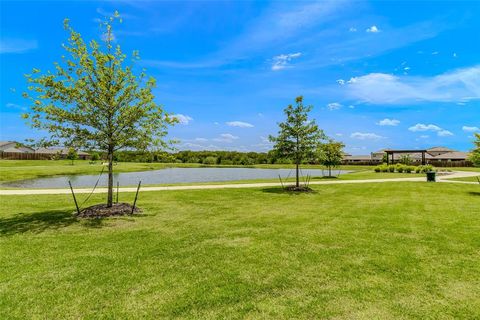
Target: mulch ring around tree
x=298, y=189
x=102, y=211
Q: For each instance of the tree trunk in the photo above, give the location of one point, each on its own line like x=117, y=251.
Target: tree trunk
x=329, y=171
x=110, y=180
x=297, y=182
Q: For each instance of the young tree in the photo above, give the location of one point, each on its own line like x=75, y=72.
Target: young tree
x=94, y=100
x=94, y=156
x=72, y=154
x=475, y=154
x=298, y=137
x=330, y=154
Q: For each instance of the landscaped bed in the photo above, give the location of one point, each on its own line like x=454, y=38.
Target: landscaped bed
x=390, y=250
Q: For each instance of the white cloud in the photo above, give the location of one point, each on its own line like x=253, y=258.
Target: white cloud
x=420, y=127
x=226, y=137
x=379, y=88
x=282, y=61
x=373, y=29
x=470, y=129
x=15, y=106
x=201, y=139
x=239, y=124
x=352, y=29
x=365, y=136
x=424, y=136
x=444, y=133
x=17, y=45
x=334, y=106
x=182, y=119
x=424, y=127
x=388, y=122
x=341, y=82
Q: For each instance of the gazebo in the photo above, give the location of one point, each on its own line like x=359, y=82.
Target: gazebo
x=393, y=152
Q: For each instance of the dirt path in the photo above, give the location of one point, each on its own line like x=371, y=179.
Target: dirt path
x=456, y=174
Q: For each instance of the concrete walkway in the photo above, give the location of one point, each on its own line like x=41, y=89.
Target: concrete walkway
x=442, y=178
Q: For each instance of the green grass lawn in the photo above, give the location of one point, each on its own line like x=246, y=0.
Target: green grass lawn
x=371, y=251
x=468, y=179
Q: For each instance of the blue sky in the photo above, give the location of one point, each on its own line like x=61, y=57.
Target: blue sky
x=379, y=74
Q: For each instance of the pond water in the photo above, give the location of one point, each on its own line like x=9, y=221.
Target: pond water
x=169, y=175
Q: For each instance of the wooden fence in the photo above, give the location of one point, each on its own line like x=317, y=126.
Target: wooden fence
x=36, y=156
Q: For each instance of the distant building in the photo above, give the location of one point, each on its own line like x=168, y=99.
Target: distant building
x=16, y=151
x=14, y=147
x=440, y=156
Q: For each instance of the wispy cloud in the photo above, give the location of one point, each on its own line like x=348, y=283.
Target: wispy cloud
x=280, y=23
x=15, y=106
x=283, y=61
x=424, y=127
x=379, y=88
x=17, y=45
x=444, y=133
x=420, y=127
x=373, y=29
x=365, y=136
x=388, y=122
x=334, y=106
x=226, y=137
x=182, y=119
x=239, y=124
x=470, y=129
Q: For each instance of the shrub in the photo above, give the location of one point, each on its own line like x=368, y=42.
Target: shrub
x=409, y=169
x=210, y=160
x=400, y=168
x=418, y=169
x=377, y=169
x=226, y=162
x=95, y=156
x=391, y=168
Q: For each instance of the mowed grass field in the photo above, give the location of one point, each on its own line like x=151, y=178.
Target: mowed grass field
x=407, y=250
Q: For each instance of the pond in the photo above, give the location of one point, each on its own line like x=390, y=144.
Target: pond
x=167, y=176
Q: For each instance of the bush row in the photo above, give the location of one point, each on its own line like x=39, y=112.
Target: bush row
x=403, y=168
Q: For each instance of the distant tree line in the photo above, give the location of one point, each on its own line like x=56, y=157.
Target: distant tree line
x=205, y=157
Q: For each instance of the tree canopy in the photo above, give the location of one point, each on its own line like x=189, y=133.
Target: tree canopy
x=94, y=99
x=475, y=154
x=330, y=155
x=299, y=137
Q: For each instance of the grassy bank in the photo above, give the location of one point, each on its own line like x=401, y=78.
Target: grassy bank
x=403, y=250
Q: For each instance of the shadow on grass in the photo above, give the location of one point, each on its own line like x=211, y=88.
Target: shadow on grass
x=36, y=222
x=474, y=193
x=280, y=190
x=39, y=222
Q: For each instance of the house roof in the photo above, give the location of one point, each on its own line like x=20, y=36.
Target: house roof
x=440, y=149
x=2, y=143
x=381, y=150
x=359, y=157
x=455, y=155
x=14, y=150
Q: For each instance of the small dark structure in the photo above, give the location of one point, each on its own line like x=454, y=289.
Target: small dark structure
x=391, y=153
